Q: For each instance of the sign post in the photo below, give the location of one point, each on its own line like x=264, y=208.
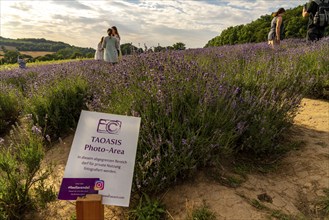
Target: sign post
x=90, y=207
x=101, y=159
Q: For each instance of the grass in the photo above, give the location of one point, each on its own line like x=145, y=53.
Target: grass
x=201, y=212
x=323, y=203
x=40, y=63
x=277, y=214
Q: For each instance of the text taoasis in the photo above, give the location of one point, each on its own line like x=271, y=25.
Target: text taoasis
x=103, y=140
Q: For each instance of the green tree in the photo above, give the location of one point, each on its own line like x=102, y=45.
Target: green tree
x=127, y=48
x=10, y=56
x=179, y=46
x=159, y=49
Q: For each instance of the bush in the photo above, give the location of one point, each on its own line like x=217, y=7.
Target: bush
x=201, y=213
x=147, y=209
x=10, y=106
x=22, y=185
x=57, y=107
x=323, y=203
x=192, y=112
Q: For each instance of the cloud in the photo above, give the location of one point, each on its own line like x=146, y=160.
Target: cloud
x=21, y=6
x=72, y=4
x=83, y=22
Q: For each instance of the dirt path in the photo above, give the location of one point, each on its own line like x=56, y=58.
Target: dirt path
x=290, y=190
x=293, y=187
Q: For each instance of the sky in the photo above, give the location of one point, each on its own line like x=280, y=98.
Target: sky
x=83, y=22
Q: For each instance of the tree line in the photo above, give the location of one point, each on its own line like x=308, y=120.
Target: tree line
x=58, y=50
x=33, y=44
x=63, y=51
x=257, y=31
x=10, y=56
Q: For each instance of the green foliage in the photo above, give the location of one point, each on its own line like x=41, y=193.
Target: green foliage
x=323, y=203
x=159, y=48
x=10, y=56
x=20, y=173
x=57, y=107
x=261, y=97
x=33, y=44
x=44, y=194
x=128, y=48
x=68, y=53
x=179, y=46
x=316, y=64
x=62, y=50
x=165, y=149
x=201, y=213
x=10, y=106
x=147, y=209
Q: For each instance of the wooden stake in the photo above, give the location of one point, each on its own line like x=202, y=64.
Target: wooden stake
x=90, y=207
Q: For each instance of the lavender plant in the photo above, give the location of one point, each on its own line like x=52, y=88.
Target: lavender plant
x=21, y=175
x=56, y=107
x=196, y=105
x=10, y=106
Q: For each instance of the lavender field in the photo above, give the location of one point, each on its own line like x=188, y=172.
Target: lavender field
x=197, y=106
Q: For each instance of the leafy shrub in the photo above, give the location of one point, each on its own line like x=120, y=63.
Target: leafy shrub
x=57, y=107
x=201, y=213
x=10, y=106
x=179, y=130
x=22, y=184
x=323, y=203
x=147, y=209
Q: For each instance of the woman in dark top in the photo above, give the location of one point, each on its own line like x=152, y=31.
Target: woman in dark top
x=276, y=33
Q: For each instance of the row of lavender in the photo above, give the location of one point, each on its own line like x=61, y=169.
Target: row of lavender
x=196, y=105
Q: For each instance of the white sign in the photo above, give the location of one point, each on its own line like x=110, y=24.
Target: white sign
x=102, y=158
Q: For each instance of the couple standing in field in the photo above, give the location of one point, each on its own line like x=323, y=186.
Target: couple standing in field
x=108, y=49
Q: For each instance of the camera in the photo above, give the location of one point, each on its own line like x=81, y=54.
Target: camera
x=109, y=126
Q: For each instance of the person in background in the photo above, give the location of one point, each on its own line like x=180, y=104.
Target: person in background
x=276, y=33
x=21, y=62
x=116, y=34
x=110, y=46
x=99, y=54
x=314, y=32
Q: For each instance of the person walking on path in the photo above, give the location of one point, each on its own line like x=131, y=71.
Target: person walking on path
x=276, y=33
x=110, y=46
x=99, y=54
x=315, y=30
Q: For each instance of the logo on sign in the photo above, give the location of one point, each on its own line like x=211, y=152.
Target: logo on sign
x=99, y=185
x=109, y=126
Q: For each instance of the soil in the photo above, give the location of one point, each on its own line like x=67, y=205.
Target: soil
x=290, y=190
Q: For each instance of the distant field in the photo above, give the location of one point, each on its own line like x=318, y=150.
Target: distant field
x=36, y=53
x=32, y=53
x=9, y=48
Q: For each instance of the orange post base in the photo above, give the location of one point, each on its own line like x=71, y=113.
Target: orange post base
x=90, y=207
